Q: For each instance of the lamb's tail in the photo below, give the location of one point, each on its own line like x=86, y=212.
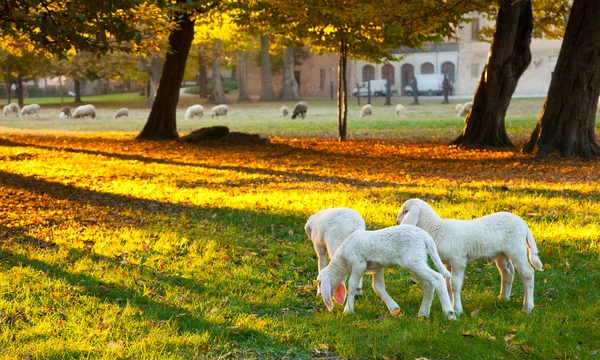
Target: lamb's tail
x=433, y=254
x=532, y=249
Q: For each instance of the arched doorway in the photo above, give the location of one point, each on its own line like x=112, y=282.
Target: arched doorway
x=407, y=73
x=448, y=69
x=427, y=68
x=388, y=73
x=368, y=73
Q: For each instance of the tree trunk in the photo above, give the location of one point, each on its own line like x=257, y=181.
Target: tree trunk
x=162, y=122
x=446, y=89
x=20, y=90
x=217, y=95
x=415, y=90
x=568, y=118
x=268, y=94
x=154, y=69
x=290, y=86
x=241, y=77
x=509, y=57
x=202, y=78
x=342, y=100
x=77, y=88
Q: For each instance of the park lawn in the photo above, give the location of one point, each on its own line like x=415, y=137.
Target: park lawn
x=116, y=248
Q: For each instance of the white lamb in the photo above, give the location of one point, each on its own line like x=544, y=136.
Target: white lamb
x=32, y=109
x=194, y=110
x=373, y=251
x=400, y=111
x=10, y=109
x=218, y=110
x=328, y=228
x=84, y=110
x=503, y=237
x=463, y=110
x=284, y=111
x=121, y=112
x=366, y=110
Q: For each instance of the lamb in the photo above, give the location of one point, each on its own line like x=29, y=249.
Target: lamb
x=328, y=228
x=366, y=110
x=31, y=109
x=373, y=251
x=121, y=112
x=463, y=110
x=400, y=111
x=65, y=112
x=84, y=110
x=284, y=111
x=10, y=109
x=502, y=236
x=300, y=109
x=194, y=110
x=218, y=111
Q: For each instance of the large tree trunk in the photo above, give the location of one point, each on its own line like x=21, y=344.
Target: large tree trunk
x=77, y=89
x=568, y=118
x=217, y=95
x=202, y=78
x=162, y=124
x=20, y=98
x=342, y=100
x=289, y=90
x=154, y=69
x=241, y=77
x=268, y=94
x=509, y=57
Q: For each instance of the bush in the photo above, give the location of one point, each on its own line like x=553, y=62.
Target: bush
x=228, y=86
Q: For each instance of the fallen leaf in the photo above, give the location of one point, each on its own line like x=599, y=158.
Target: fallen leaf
x=475, y=312
x=397, y=312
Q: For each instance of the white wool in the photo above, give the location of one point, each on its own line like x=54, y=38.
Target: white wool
x=463, y=110
x=121, y=112
x=84, y=110
x=400, y=111
x=194, y=110
x=219, y=110
x=62, y=115
x=32, y=109
x=502, y=236
x=372, y=252
x=366, y=110
x=284, y=111
x=10, y=109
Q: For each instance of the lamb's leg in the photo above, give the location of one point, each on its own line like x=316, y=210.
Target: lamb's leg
x=528, y=277
x=507, y=274
x=359, y=290
x=436, y=280
x=449, y=282
x=379, y=287
x=322, y=256
x=428, y=292
x=458, y=274
x=357, y=273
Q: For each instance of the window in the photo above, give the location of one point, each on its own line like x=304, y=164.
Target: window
x=427, y=68
x=475, y=29
x=475, y=71
x=322, y=79
x=387, y=72
x=368, y=73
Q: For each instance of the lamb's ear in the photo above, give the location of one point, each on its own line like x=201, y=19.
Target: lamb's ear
x=340, y=294
x=326, y=292
x=412, y=218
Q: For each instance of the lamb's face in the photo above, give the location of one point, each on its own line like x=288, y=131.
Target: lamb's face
x=327, y=286
x=409, y=213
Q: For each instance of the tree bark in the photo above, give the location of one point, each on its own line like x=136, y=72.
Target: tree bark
x=568, y=118
x=289, y=90
x=77, y=89
x=342, y=99
x=202, y=78
x=268, y=94
x=509, y=57
x=162, y=123
x=217, y=95
x=154, y=69
x=415, y=91
x=241, y=77
x=20, y=90
x=446, y=89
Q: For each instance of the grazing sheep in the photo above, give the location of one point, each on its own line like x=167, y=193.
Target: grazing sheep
x=373, y=251
x=503, y=237
x=463, y=110
x=218, y=110
x=400, y=111
x=300, y=109
x=65, y=112
x=121, y=112
x=84, y=110
x=32, y=109
x=10, y=109
x=366, y=110
x=328, y=228
x=194, y=110
x=284, y=111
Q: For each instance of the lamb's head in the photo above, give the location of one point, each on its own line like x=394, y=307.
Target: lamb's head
x=327, y=282
x=458, y=108
x=410, y=211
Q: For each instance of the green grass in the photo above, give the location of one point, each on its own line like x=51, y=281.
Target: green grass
x=111, y=98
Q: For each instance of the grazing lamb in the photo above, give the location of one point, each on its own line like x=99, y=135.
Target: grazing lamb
x=84, y=110
x=10, y=109
x=121, y=112
x=218, y=110
x=284, y=111
x=32, y=109
x=463, y=110
x=65, y=112
x=366, y=110
x=194, y=110
x=400, y=111
x=328, y=228
x=503, y=237
x=373, y=251
x=300, y=109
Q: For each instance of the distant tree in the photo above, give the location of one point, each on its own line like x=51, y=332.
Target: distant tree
x=266, y=75
x=289, y=88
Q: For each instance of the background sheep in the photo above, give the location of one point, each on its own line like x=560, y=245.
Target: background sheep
x=366, y=110
x=84, y=110
x=65, y=112
x=502, y=236
x=194, y=110
x=328, y=228
x=463, y=110
x=372, y=251
x=284, y=111
x=400, y=111
x=300, y=109
x=10, y=109
x=218, y=110
x=121, y=112
x=32, y=109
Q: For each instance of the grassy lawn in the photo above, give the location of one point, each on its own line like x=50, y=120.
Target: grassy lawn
x=117, y=248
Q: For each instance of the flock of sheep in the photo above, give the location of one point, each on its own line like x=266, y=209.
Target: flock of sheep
x=80, y=112
x=451, y=244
